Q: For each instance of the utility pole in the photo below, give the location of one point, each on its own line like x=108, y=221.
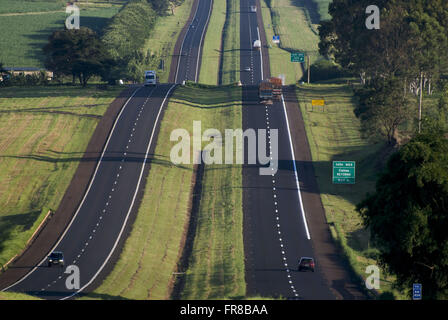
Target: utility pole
x=420, y=103
x=309, y=73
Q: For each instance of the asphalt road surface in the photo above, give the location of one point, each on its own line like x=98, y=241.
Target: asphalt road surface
x=276, y=233
x=191, y=48
x=98, y=224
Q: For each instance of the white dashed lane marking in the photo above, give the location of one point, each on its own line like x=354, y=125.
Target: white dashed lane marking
x=277, y=217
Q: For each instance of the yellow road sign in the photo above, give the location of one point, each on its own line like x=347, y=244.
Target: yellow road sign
x=318, y=102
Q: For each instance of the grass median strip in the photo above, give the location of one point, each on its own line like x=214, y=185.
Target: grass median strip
x=148, y=264
x=211, y=53
x=231, y=44
x=43, y=134
x=334, y=133
x=160, y=45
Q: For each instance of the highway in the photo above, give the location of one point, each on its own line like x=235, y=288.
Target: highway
x=276, y=231
x=101, y=221
x=188, y=66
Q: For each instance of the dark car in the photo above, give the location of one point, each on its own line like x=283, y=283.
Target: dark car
x=306, y=264
x=56, y=257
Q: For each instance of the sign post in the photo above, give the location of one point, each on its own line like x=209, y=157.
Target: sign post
x=317, y=103
x=344, y=172
x=297, y=57
x=417, y=291
x=276, y=39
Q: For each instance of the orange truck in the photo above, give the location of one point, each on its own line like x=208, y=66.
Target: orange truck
x=270, y=89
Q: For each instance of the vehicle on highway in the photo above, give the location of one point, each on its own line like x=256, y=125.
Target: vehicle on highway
x=306, y=264
x=150, y=78
x=253, y=8
x=257, y=45
x=247, y=69
x=270, y=89
x=57, y=258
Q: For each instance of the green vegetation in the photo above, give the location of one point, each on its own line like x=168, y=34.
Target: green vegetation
x=160, y=44
x=408, y=212
x=231, y=44
x=211, y=53
x=153, y=249
x=16, y=296
x=290, y=20
x=22, y=47
x=20, y=6
x=43, y=134
x=334, y=133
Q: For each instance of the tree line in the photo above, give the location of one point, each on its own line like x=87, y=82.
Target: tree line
x=407, y=55
x=398, y=64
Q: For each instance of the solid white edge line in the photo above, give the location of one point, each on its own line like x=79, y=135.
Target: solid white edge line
x=295, y=172
x=200, y=43
x=261, y=54
x=133, y=199
x=85, y=194
x=182, y=46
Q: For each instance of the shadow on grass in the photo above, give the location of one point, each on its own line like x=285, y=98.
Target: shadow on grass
x=10, y=222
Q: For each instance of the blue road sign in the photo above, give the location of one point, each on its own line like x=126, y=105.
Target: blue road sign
x=417, y=291
x=276, y=39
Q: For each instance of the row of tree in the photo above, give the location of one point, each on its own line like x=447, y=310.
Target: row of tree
x=407, y=54
x=408, y=212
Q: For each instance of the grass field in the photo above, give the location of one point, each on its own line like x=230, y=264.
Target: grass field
x=334, y=134
x=231, y=44
x=152, y=251
x=16, y=296
x=211, y=52
x=163, y=38
x=290, y=20
x=23, y=36
x=43, y=132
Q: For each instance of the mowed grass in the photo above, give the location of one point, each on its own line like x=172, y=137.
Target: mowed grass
x=334, y=134
x=43, y=133
x=163, y=39
x=231, y=44
x=289, y=20
x=24, y=36
x=20, y=6
x=211, y=53
x=153, y=249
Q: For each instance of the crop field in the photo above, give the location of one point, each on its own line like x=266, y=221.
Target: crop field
x=291, y=21
x=150, y=257
x=43, y=133
x=22, y=47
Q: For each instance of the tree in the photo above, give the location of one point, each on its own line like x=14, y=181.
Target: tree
x=76, y=52
x=408, y=214
x=383, y=108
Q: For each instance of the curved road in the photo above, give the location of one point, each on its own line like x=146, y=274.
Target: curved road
x=100, y=222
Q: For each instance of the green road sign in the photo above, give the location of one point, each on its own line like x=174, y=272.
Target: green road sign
x=297, y=57
x=344, y=172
